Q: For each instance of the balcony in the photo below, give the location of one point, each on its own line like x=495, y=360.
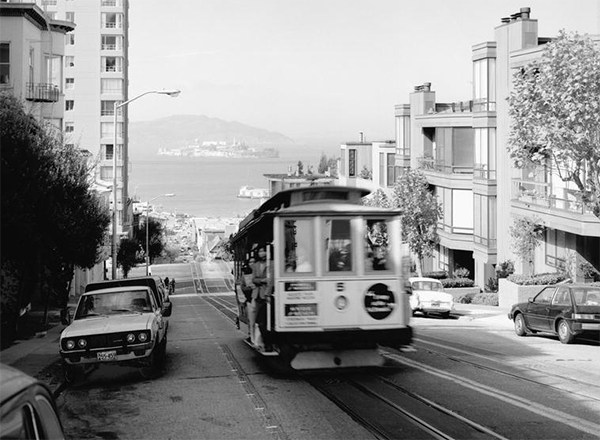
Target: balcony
x=543, y=195
x=39, y=92
x=431, y=164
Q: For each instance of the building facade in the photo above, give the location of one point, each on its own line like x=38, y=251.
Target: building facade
x=461, y=148
x=95, y=78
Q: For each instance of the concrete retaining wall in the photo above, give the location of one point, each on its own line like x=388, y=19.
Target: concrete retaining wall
x=510, y=293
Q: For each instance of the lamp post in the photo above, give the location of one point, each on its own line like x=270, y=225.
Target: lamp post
x=172, y=93
x=147, y=228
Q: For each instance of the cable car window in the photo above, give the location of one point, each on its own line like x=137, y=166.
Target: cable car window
x=376, y=245
x=299, y=255
x=338, y=245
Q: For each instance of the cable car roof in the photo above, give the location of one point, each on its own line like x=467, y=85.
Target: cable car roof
x=333, y=199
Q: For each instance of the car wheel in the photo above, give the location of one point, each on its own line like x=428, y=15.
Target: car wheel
x=73, y=374
x=150, y=370
x=520, y=327
x=565, y=334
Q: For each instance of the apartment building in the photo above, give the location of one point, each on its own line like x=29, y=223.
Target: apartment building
x=32, y=53
x=95, y=78
x=461, y=148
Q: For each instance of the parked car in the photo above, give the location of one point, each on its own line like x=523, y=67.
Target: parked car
x=428, y=297
x=567, y=310
x=160, y=291
x=121, y=325
x=27, y=407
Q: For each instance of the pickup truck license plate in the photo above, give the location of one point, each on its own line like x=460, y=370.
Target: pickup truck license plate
x=107, y=355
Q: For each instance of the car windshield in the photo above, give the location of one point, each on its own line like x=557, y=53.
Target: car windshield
x=587, y=296
x=102, y=304
x=427, y=285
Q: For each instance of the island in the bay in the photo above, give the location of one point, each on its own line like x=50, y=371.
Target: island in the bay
x=220, y=149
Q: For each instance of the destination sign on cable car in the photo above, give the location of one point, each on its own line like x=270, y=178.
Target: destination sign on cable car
x=300, y=314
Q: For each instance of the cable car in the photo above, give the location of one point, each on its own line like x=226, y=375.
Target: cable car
x=321, y=278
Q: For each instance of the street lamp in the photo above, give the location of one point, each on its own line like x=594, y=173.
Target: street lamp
x=147, y=228
x=172, y=93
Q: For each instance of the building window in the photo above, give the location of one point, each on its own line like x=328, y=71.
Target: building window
x=381, y=169
x=70, y=16
x=391, y=162
x=484, y=223
x=556, y=247
x=443, y=257
x=69, y=105
x=112, y=3
x=111, y=86
x=484, y=166
x=112, y=64
x=69, y=127
x=112, y=20
x=69, y=83
x=484, y=85
x=4, y=63
x=69, y=61
x=112, y=42
x=352, y=163
x=108, y=108
x=49, y=2
x=107, y=129
x=108, y=151
x=70, y=39
x=403, y=136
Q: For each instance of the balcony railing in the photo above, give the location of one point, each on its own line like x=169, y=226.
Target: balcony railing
x=543, y=195
x=39, y=92
x=427, y=163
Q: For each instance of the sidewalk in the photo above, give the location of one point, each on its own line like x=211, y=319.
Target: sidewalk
x=39, y=356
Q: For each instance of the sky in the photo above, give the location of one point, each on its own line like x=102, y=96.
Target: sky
x=317, y=69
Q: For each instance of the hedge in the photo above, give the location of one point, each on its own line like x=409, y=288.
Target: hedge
x=539, y=279
x=449, y=283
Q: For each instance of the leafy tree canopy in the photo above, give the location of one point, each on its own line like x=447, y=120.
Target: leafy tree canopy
x=555, y=107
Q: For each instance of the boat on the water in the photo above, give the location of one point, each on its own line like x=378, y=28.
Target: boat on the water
x=249, y=192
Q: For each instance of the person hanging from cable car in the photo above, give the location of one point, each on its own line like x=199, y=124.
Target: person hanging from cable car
x=263, y=280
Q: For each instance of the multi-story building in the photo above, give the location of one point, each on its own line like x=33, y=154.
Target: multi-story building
x=32, y=53
x=95, y=78
x=461, y=148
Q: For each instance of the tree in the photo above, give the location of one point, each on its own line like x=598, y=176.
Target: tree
x=378, y=198
x=51, y=220
x=128, y=255
x=555, y=107
x=526, y=234
x=155, y=238
x=420, y=212
x=300, y=168
x=327, y=164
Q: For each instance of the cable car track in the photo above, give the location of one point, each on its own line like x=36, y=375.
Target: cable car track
x=386, y=397
x=382, y=407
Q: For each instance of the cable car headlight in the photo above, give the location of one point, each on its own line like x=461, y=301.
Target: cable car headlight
x=341, y=302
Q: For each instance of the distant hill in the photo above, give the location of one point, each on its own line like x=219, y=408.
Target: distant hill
x=146, y=137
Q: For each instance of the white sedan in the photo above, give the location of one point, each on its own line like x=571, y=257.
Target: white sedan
x=428, y=297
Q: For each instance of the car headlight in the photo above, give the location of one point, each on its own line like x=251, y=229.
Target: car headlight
x=81, y=343
x=130, y=338
x=143, y=337
x=70, y=344
x=583, y=316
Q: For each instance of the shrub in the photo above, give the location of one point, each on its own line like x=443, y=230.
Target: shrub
x=438, y=274
x=461, y=272
x=491, y=285
x=465, y=298
x=457, y=282
x=504, y=269
x=486, y=298
x=539, y=279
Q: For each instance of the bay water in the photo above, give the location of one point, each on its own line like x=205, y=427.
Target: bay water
x=208, y=186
